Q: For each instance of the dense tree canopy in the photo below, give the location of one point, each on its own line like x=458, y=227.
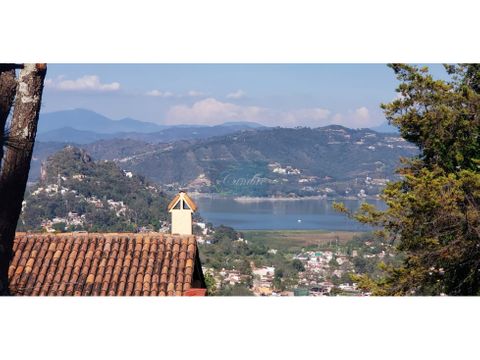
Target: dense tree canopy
x=433, y=213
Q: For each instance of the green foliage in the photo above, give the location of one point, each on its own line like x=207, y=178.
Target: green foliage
x=83, y=180
x=225, y=252
x=60, y=227
x=211, y=285
x=298, y=265
x=235, y=290
x=223, y=232
x=440, y=117
x=433, y=214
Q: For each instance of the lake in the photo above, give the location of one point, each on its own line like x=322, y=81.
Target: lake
x=307, y=214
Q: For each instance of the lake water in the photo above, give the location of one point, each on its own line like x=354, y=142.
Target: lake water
x=308, y=214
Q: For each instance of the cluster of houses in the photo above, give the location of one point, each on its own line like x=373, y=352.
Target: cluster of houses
x=377, y=182
x=52, y=189
x=287, y=170
x=263, y=280
x=324, y=275
x=200, y=183
x=72, y=219
x=320, y=268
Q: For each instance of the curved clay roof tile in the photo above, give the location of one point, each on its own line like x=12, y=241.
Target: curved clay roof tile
x=102, y=264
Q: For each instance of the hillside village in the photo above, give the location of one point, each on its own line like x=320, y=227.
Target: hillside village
x=234, y=263
x=323, y=270
x=76, y=194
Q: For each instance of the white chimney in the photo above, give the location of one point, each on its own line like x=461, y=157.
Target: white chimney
x=181, y=208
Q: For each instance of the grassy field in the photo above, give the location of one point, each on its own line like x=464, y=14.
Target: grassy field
x=294, y=240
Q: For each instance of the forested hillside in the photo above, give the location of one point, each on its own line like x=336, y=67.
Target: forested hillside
x=77, y=193
x=304, y=161
x=331, y=161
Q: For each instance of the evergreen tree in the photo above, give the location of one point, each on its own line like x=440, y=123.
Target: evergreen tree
x=433, y=214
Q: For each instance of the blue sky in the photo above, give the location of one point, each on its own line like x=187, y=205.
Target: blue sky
x=271, y=94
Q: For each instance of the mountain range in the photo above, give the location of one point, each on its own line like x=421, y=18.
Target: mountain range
x=82, y=126
x=331, y=160
x=327, y=161
x=87, y=120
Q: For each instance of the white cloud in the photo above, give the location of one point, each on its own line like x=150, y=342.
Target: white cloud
x=362, y=114
x=84, y=83
x=158, y=93
x=312, y=117
x=211, y=111
x=358, y=118
x=239, y=94
x=169, y=94
x=194, y=93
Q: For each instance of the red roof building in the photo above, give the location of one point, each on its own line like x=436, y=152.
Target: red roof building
x=93, y=264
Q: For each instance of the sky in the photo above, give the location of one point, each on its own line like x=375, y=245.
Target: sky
x=208, y=94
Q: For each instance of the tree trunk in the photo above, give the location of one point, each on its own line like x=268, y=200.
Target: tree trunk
x=16, y=164
x=8, y=84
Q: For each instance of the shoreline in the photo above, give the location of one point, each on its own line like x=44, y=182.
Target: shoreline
x=298, y=231
x=250, y=199
x=253, y=199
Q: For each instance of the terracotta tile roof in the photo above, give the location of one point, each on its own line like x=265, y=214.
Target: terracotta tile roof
x=83, y=264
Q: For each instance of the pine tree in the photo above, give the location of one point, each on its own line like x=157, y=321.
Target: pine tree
x=433, y=213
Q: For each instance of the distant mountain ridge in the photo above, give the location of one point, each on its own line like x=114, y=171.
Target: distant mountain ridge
x=82, y=126
x=327, y=161
x=87, y=120
x=71, y=135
